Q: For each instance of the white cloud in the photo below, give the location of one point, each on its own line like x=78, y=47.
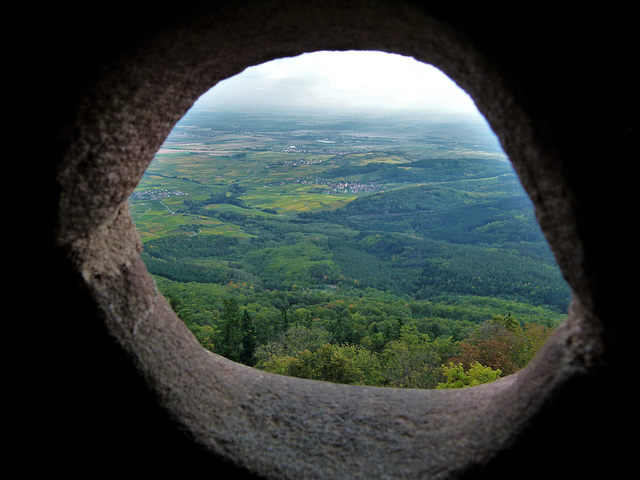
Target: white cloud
x=341, y=79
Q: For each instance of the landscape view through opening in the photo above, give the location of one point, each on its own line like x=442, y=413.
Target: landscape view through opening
x=349, y=217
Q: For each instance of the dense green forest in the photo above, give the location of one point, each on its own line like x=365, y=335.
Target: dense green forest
x=400, y=261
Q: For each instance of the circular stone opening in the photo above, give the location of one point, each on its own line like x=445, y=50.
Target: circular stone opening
x=276, y=426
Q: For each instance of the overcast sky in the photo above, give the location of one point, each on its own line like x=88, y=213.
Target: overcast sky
x=340, y=80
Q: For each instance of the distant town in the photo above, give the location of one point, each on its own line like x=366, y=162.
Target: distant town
x=337, y=187
x=155, y=194
x=316, y=150
x=350, y=187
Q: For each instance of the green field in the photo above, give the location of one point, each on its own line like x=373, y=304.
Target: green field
x=273, y=175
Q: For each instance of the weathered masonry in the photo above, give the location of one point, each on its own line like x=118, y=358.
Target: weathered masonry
x=104, y=379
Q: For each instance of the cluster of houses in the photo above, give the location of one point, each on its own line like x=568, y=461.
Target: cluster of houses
x=335, y=187
x=155, y=194
x=311, y=149
x=299, y=162
x=350, y=187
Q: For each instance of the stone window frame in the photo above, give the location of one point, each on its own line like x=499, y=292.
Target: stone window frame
x=275, y=426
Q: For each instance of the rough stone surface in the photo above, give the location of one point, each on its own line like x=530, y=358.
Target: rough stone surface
x=105, y=379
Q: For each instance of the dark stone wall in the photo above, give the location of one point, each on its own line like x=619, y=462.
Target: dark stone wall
x=92, y=91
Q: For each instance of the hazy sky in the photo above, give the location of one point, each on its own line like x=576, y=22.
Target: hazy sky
x=341, y=80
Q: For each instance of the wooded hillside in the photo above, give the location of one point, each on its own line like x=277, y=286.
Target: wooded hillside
x=394, y=264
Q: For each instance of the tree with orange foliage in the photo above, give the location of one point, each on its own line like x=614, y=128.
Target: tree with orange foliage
x=492, y=353
x=502, y=344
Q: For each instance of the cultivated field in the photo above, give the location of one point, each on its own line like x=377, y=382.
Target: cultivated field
x=286, y=167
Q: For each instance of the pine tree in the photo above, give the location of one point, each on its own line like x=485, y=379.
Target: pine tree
x=230, y=344
x=248, y=340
